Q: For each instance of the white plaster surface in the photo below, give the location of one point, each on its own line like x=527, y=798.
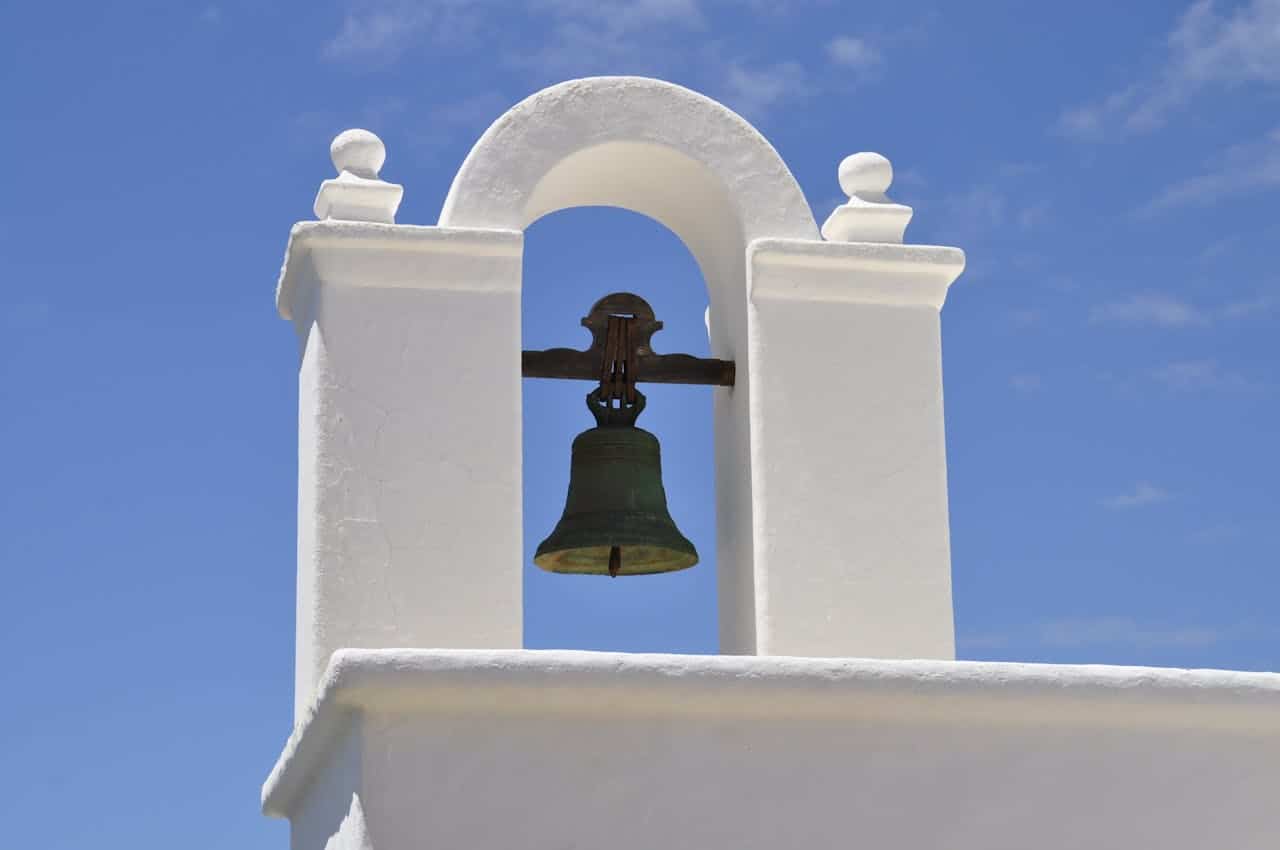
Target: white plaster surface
x=407, y=395
x=358, y=194
x=852, y=537
x=869, y=215
x=494, y=749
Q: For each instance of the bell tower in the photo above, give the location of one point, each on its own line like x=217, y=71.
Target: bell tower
x=837, y=714
x=832, y=515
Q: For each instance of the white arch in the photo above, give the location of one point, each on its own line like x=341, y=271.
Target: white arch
x=641, y=144
x=693, y=165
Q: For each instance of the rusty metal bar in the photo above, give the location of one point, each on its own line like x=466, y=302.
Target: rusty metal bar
x=575, y=365
x=642, y=363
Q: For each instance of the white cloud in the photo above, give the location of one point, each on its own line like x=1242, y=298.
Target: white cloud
x=1112, y=632
x=1033, y=216
x=853, y=52
x=1149, y=309
x=1026, y=317
x=1207, y=374
x=908, y=177
x=1221, y=247
x=626, y=15
x=1208, y=48
x=1166, y=311
x=609, y=36
x=1247, y=308
x=1124, y=631
x=543, y=41
x=1142, y=494
x=581, y=38
x=1216, y=533
x=476, y=111
x=753, y=91
x=380, y=31
x=994, y=206
x=583, y=33
x=1240, y=170
x=974, y=212
x=981, y=641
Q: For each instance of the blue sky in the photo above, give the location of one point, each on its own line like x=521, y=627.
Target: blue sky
x=1110, y=356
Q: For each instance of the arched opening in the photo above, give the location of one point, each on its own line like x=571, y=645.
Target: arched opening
x=688, y=162
x=571, y=258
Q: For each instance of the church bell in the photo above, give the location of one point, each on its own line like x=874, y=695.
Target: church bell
x=615, y=518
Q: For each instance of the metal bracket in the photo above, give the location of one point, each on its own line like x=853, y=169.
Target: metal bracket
x=643, y=363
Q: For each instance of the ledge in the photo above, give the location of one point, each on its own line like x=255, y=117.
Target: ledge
x=863, y=272
x=509, y=682
x=382, y=247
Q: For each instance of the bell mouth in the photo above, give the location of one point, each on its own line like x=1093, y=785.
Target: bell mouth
x=636, y=560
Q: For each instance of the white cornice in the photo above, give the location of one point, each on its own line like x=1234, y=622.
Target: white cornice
x=607, y=684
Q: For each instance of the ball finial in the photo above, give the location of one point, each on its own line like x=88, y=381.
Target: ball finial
x=870, y=215
x=865, y=173
x=359, y=152
x=357, y=193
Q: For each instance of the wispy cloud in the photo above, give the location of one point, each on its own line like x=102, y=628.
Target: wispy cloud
x=1125, y=632
x=1216, y=533
x=378, y=32
x=1199, y=375
x=993, y=206
x=1156, y=309
x=626, y=15
x=1204, y=375
x=1149, y=308
x=753, y=91
x=1026, y=317
x=610, y=36
x=559, y=39
x=1246, y=308
x=850, y=51
x=1114, y=632
x=1209, y=48
x=581, y=32
x=1240, y=170
x=1142, y=495
x=1029, y=218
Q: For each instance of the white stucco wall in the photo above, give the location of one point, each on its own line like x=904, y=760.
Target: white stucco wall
x=852, y=534
x=406, y=444
x=559, y=749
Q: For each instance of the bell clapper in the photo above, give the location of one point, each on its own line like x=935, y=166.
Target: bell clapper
x=615, y=561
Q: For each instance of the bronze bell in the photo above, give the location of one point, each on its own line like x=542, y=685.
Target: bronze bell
x=615, y=518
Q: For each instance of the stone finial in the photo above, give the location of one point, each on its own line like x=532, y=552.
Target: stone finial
x=357, y=193
x=869, y=216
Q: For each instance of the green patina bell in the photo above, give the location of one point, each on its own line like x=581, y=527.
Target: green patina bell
x=615, y=518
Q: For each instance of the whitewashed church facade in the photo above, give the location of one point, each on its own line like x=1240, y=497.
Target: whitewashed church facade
x=837, y=716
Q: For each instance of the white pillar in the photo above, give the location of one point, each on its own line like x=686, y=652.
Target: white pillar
x=852, y=553
x=409, y=425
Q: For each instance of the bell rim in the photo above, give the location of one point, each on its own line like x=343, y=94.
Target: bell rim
x=548, y=561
